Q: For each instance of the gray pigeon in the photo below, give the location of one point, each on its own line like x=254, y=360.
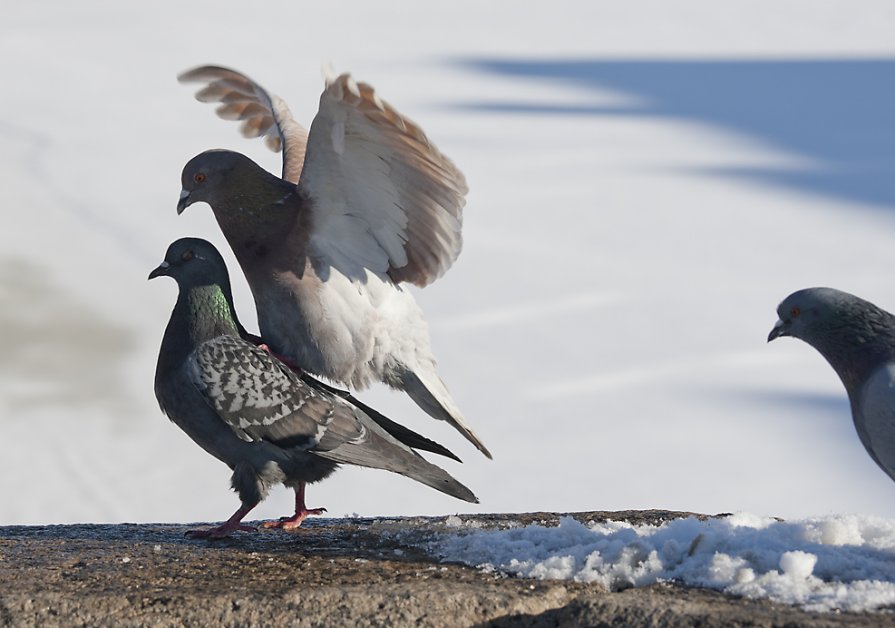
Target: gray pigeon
x=858, y=340
x=247, y=409
x=366, y=203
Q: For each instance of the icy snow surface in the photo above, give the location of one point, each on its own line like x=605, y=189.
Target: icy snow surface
x=826, y=563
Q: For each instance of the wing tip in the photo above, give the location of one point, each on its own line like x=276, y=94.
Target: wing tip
x=461, y=491
x=204, y=72
x=328, y=72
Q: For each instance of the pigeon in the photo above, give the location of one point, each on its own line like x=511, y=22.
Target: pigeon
x=366, y=203
x=857, y=338
x=268, y=423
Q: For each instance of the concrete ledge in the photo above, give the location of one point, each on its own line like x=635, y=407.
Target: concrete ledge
x=332, y=572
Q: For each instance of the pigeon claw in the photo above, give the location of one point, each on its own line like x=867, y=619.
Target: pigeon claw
x=295, y=368
x=293, y=522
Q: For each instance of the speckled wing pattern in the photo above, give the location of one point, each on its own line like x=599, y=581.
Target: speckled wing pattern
x=263, y=114
x=261, y=399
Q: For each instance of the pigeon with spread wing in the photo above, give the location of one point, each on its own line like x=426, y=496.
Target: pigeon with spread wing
x=365, y=203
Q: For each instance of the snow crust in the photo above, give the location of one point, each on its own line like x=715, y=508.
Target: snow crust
x=840, y=562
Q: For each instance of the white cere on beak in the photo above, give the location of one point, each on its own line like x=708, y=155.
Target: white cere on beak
x=184, y=194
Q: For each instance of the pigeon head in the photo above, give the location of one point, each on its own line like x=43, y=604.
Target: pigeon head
x=249, y=204
x=854, y=335
x=216, y=177
x=194, y=262
x=204, y=283
x=810, y=313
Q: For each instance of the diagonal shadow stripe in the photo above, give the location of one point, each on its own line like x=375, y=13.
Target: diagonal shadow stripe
x=837, y=113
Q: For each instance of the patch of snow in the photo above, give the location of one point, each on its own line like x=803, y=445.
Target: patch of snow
x=453, y=521
x=839, y=562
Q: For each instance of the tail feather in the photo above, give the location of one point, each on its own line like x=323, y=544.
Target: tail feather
x=403, y=434
x=430, y=394
x=380, y=450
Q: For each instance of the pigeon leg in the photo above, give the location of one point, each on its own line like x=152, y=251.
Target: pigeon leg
x=301, y=512
x=231, y=525
x=259, y=342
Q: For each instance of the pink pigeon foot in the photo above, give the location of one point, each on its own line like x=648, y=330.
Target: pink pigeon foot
x=282, y=358
x=232, y=524
x=290, y=523
x=301, y=512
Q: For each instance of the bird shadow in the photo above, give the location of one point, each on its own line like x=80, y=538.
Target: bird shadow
x=56, y=350
x=830, y=411
x=819, y=404
x=837, y=115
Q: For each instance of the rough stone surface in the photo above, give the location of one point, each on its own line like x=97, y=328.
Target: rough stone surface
x=359, y=572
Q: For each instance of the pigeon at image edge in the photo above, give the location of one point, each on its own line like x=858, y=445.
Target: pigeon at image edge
x=857, y=338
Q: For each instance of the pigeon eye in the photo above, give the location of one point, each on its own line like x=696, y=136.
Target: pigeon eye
x=187, y=256
x=794, y=312
x=199, y=177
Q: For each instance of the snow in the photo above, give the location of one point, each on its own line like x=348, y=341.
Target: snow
x=648, y=180
x=822, y=564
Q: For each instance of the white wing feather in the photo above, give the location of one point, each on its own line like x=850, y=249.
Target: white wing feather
x=384, y=197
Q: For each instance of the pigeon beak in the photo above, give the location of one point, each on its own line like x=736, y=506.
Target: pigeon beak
x=781, y=328
x=161, y=270
x=184, y=201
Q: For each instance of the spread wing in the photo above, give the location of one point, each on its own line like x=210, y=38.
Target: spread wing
x=263, y=114
x=261, y=399
x=383, y=196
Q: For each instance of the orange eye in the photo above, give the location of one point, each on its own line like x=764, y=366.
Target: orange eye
x=187, y=256
x=794, y=312
x=199, y=177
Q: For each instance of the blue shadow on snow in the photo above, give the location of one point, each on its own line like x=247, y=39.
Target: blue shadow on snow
x=839, y=114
